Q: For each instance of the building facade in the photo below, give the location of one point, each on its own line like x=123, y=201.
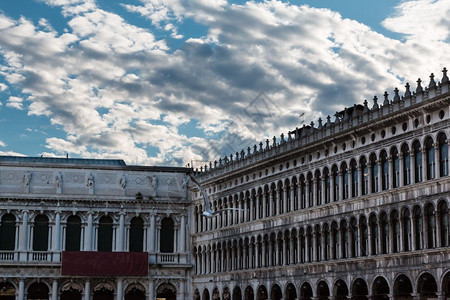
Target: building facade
x=354, y=207
x=92, y=229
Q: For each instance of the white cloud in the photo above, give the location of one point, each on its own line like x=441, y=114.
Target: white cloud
x=118, y=92
x=2, y=144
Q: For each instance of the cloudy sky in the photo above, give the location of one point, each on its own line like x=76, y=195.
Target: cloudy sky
x=169, y=82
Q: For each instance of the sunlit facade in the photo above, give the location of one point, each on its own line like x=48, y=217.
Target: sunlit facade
x=354, y=206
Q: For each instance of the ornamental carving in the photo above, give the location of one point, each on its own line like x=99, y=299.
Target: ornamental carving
x=76, y=178
x=11, y=176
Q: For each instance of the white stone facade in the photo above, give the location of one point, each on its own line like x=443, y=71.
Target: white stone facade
x=57, y=191
x=354, y=208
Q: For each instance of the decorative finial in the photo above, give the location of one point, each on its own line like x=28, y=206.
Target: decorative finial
x=242, y=154
x=396, y=95
x=320, y=123
x=255, y=148
x=407, y=92
x=231, y=157
x=237, y=155
x=289, y=136
x=274, y=141
x=386, y=99
x=366, y=107
x=260, y=146
x=282, y=138
x=248, y=150
x=220, y=161
x=419, y=88
x=375, y=103
x=345, y=114
x=328, y=120
x=445, y=77
x=267, y=144
x=432, y=82
x=354, y=112
x=215, y=164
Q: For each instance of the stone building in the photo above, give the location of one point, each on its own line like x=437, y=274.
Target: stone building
x=92, y=229
x=354, y=206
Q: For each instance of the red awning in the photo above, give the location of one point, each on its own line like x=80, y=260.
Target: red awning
x=104, y=263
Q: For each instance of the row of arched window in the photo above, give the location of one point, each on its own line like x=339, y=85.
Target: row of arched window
x=409, y=228
x=386, y=169
x=73, y=230
x=401, y=288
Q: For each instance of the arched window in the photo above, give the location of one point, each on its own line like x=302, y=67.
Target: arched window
x=384, y=170
x=406, y=166
x=318, y=242
x=310, y=190
x=295, y=187
x=344, y=239
x=395, y=168
x=335, y=241
x=418, y=225
x=309, y=241
x=395, y=231
x=384, y=234
x=8, y=232
x=335, y=180
x=431, y=162
x=443, y=223
x=374, y=235
x=281, y=208
x=431, y=226
x=302, y=242
x=166, y=237
x=37, y=290
x=302, y=192
x=443, y=155
x=105, y=234
x=274, y=199
x=364, y=176
x=73, y=233
x=364, y=236
x=318, y=191
x=136, y=243
x=40, y=233
x=374, y=173
x=406, y=230
x=344, y=171
x=326, y=178
x=326, y=237
x=417, y=162
x=354, y=178
x=353, y=237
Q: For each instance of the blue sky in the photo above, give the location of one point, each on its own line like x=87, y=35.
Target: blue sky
x=171, y=82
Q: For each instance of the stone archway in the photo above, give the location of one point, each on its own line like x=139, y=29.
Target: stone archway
x=249, y=294
x=275, y=293
x=167, y=291
x=135, y=292
x=341, y=290
x=103, y=291
x=262, y=293
x=427, y=287
x=306, y=292
x=360, y=290
x=402, y=288
x=291, y=292
x=38, y=290
x=71, y=291
x=323, y=292
x=7, y=291
x=380, y=289
x=237, y=294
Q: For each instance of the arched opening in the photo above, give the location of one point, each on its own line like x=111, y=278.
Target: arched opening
x=323, y=292
x=364, y=239
x=395, y=168
x=249, y=295
x=262, y=293
x=136, y=243
x=103, y=292
x=402, y=288
x=237, y=294
x=105, y=234
x=341, y=290
x=215, y=294
x=40, y=233
x=418, y=162
x=71, y=291
x=427, y=287
x=167, y=291
x=374, y=234
x=359, y=290
x=364, y=176
x=418, y=227
x=406, y=167
x=406, y=230
x=443, y=155
x=384, y=234
x=430, y=158
x=73, y=233
x=384, y=164
x=37, y=291
x=226, y=293
x=395, y=225
x=135, y=292
x=291, y=292
x=443, y=223
x=306, y=292
x=205, y=295
x=8, y=232
x=373, y=173
x=166, y=237
x=380, y=289
x=7, y=291
x=430, y=222
x=196, y=294
x=446, y=286
x=275, y=293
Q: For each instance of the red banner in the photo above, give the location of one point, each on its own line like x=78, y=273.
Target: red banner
x=104, y=263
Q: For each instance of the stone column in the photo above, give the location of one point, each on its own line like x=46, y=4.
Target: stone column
x=307, y=258
x=332, y=188
x=413, y=233
x=391, y=172
x=292, y=200
x=257, y=261
x=308, y=194
x=87, y=290
x=413, y=166
x=380, y=238
x=54, y=290
x=258, y=198
x=391, y=237
x=360, y=177
x=324, y=246
x=424, y=164
x=182, y=241
x=264, y=212
x=89, y=231
x=182, y=290
x=350, y=183
x=324, y=189
x=263, y=254
x=270, y=253
x=437, y=160
x=291, y=250
x=21, y=294
x=315, y=196
x=57, y=233
x=246, y=208
x=341, y=186
x=120, y=239
x=401, y=169
x=400, y=244
x=285, y=198
x=380, y=175
x=151, y=290
x=270, y=212
x=438, y=230
x=23, y=243
x=299, y=192
x=332, y=245
x=151, y=233
x=369, y=240
x=339, y=250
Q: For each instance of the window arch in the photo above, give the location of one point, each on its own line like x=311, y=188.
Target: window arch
x=345, y=175
x=364, y=236
x=395, y=168
x=443, y=223
x=418, y=225
x=430, y=225
x=136, y=243
x=384, y=164
x=374, y=234
x=384, y=234
x=373, y=173
x=364, y=176
x=443, y=155
x=318, y=191
x=395, y=225
x=8, y=232
x=335, y=182
x=417, y=162
x=406, y=230
x=327, y=181
x=430, y=159
x=406, y=166
x=354, y=178
x=166, y=237
x=40, y=233
x=73, y=233
x=105, y=234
